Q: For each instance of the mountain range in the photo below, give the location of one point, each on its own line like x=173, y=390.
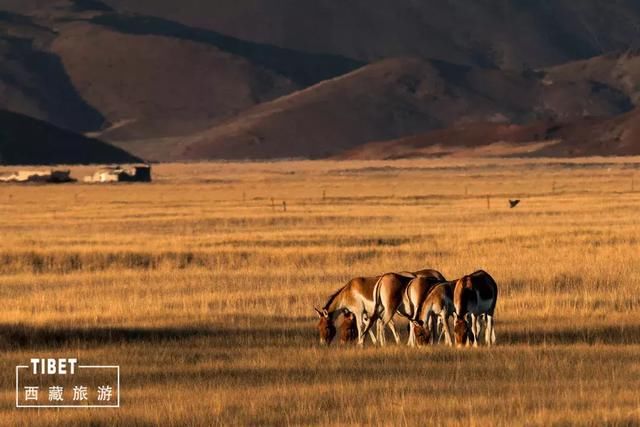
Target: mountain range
x=243, y=79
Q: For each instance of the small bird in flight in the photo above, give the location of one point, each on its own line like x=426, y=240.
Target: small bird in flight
x=513, y=203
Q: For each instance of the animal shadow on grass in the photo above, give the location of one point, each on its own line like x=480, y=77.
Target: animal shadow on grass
x=20, y=336
x=294, y=334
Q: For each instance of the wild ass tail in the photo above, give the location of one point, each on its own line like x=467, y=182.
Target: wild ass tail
x=376, y=297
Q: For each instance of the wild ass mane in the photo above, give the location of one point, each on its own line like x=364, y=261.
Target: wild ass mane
x=332, y=298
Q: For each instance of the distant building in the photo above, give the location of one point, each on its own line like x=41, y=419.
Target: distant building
x=47, y=176
x=136, y=173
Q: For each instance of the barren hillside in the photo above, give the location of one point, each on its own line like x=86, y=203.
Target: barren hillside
x=25, y=141
x=126, y=76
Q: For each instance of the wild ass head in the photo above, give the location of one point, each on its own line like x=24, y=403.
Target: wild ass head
x=462, y=332
x=421, y=333
x=326, y=327
x=349, y=328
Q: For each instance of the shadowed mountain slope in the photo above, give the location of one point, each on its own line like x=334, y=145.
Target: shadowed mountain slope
x=34, y=81
x=143, y=77
x=25, y=141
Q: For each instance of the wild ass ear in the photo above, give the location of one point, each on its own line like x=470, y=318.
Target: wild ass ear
x=319, y=312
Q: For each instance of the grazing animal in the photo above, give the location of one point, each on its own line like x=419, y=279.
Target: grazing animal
x=348, y=329
x=437, y=308
x=513, y=203
x=357, y=296
x=474, y=296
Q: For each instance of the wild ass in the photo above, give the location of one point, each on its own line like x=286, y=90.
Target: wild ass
x=474, y=296
x=405, y=297
x=356, y=297
x=371, y=300
x=435, y=309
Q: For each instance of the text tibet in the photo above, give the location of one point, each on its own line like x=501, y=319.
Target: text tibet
x=104, y=393
x=54, y=366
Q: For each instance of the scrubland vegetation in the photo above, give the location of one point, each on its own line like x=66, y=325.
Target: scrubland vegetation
x=201, y=287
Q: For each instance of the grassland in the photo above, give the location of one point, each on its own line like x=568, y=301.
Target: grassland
x=202, y=288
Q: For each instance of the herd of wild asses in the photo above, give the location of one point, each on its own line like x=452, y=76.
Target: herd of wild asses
x=423, y=297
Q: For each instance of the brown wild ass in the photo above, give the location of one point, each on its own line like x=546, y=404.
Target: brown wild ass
x=406, y=296
x=436, y=309
x=358, y=298
x=474, y=296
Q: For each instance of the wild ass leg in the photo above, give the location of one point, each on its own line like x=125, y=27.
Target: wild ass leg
x=493, y=332
x=482, y=326
x=440, y=329
x=384, y=321
x=411, y=342
x=395, y=333
x=433, y=328
x=445, y=327
x=361, y=332
x=382, y=338
x=475, y=329
x=364, y=323
x=490, y=335
x=468, y=321
x=373, y=337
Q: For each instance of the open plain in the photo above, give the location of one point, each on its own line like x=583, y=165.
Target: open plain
x=201, y=287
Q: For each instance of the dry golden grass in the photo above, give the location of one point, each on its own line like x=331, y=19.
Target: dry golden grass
x=203, y=292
